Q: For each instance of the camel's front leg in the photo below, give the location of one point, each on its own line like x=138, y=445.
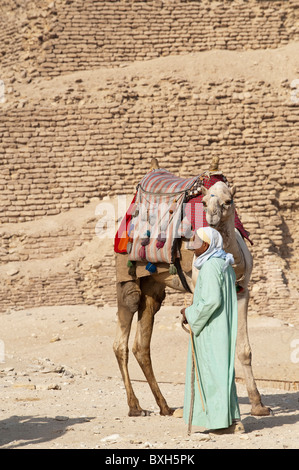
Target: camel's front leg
x=149, y=305
x=128, y=300
x=244, y=355
x=121, y=350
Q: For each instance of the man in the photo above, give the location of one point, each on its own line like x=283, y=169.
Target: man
x=212, y=317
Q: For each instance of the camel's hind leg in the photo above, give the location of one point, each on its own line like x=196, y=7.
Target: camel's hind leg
x=128, y=295
x=152, y=296
x=244, y=355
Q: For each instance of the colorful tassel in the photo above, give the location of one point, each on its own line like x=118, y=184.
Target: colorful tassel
x=161, y=239
x=151, y=267
x=160, y=244
x=130, y=264
x=145, y=241
x=142, y=253
x=172, y=269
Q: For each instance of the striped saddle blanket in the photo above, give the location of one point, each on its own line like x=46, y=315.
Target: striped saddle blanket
x=156, y=222
x=164, y=209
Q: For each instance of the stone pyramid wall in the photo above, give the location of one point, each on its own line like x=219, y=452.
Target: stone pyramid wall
x=92, y=90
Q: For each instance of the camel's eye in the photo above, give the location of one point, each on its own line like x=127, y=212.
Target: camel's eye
x=226, y=204
x=204, y=203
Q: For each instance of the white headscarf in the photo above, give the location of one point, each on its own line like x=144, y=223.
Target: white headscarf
x=211, y=236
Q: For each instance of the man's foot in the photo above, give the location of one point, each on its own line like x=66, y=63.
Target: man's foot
x=178, y=413
x=236, y=427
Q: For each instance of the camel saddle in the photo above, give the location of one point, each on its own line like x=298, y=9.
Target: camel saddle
x=165, y=210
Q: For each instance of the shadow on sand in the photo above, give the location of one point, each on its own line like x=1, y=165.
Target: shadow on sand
x=19, y=431
x=283, y=406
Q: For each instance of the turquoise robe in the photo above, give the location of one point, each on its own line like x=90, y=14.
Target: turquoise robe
x=213, y=318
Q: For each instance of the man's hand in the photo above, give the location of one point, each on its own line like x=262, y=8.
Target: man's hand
x=185, y=322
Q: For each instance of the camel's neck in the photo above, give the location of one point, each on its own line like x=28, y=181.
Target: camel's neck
x=230, y=244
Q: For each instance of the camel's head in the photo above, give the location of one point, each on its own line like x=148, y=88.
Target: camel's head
x=218, y=203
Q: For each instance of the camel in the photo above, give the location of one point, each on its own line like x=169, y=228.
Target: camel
x=146, y=294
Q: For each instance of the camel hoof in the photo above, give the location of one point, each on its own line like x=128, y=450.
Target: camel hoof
x=260, y=410
x=136, y=413
x=167, y=412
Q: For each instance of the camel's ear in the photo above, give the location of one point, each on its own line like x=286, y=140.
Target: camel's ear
x=233, y=190
x=204, y=190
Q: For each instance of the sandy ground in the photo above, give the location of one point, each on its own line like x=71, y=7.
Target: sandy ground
x=61, y=386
